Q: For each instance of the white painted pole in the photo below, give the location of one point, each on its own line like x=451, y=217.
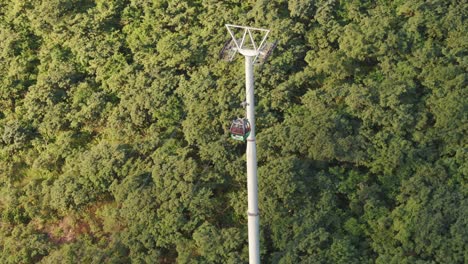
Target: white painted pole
x=252, y=191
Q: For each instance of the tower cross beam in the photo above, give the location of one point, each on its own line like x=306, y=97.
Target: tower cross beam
x=255, y=49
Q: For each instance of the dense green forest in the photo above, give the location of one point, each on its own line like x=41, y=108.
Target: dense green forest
x=114, y=141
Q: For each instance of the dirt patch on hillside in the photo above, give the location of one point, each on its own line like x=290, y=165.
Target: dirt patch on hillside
x=65, y=230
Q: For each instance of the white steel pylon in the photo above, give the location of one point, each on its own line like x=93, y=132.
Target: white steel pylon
x=251, y=47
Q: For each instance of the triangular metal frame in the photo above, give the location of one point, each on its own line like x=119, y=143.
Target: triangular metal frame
x=247, y=35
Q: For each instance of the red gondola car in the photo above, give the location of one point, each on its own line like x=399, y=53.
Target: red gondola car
x=240, y=129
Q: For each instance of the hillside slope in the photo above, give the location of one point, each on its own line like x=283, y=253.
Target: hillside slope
x=114, y=144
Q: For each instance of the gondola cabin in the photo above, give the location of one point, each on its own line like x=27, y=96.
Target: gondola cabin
x=240, y=129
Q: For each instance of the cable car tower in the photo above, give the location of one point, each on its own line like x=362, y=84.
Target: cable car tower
x=251, y=43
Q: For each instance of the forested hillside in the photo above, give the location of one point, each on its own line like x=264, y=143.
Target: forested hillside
x=114, y=143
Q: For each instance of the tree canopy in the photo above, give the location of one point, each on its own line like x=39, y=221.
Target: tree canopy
x=114, y=143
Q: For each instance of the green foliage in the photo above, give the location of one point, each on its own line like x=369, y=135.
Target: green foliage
x=23, y=244
x=86, y=250
x=116, y=113
x=428, y=223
